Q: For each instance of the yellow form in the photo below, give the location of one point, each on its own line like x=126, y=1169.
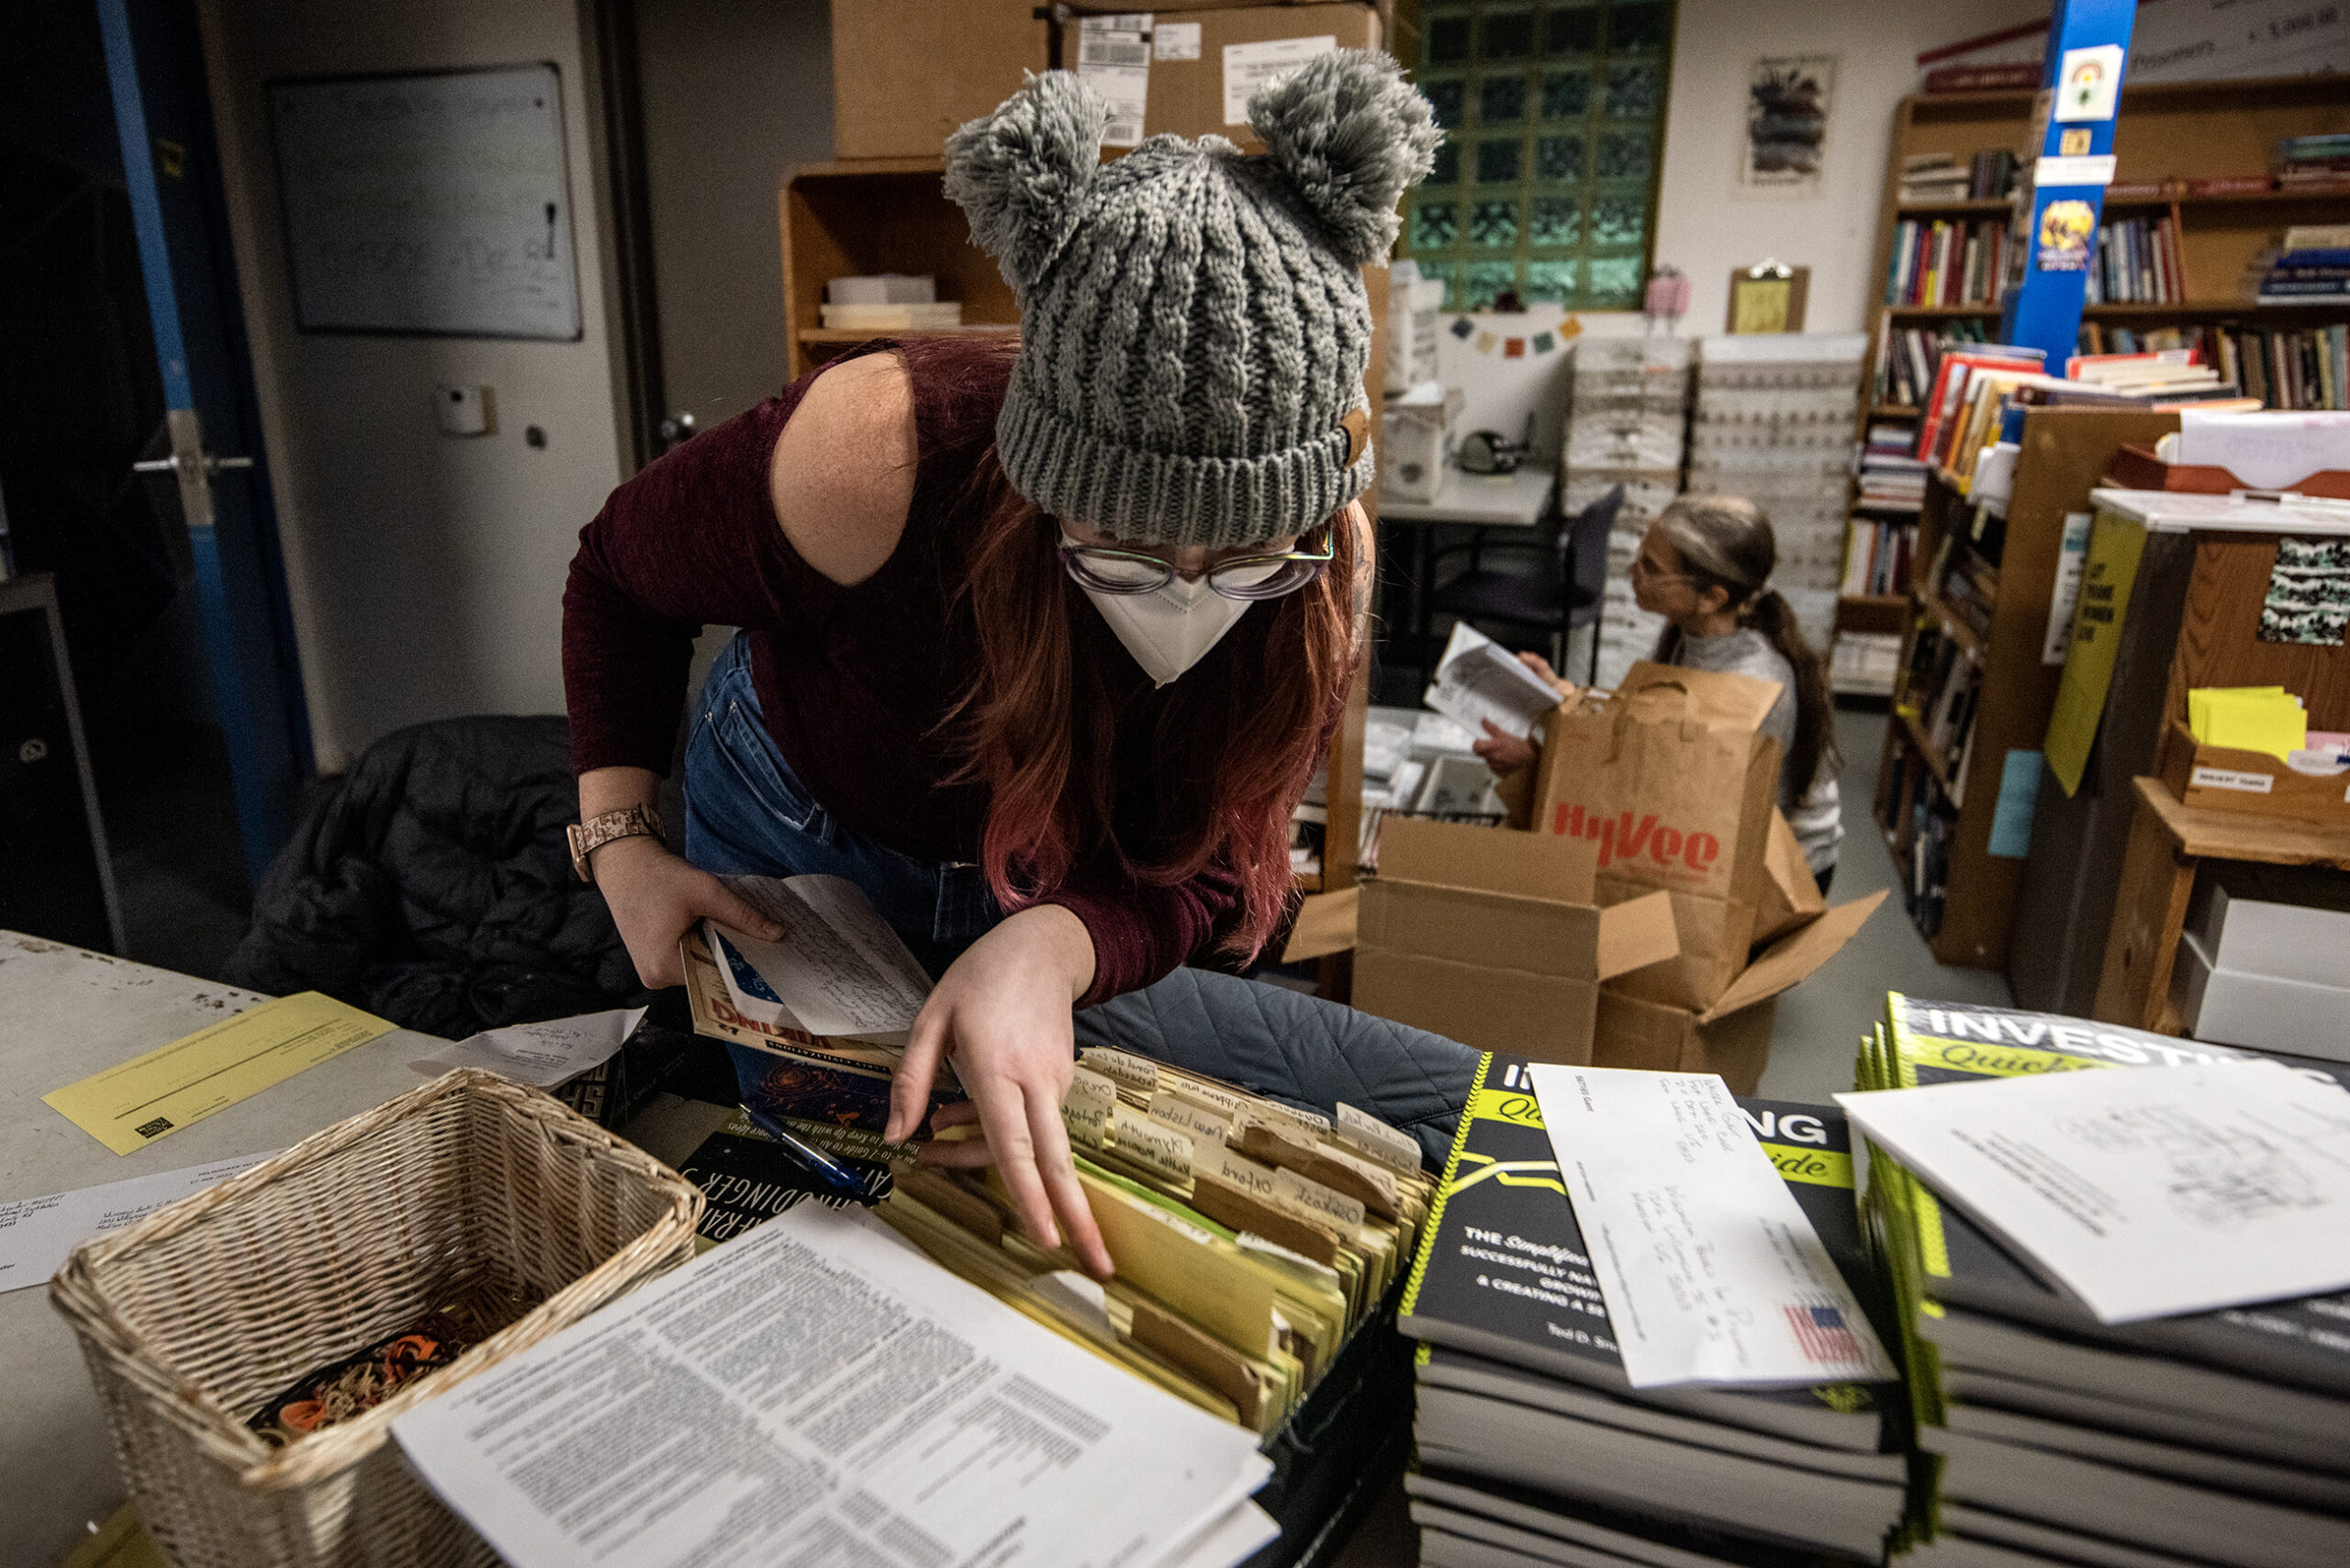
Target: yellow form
x=130, y=1106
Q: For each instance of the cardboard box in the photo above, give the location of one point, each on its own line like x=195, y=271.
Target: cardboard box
x=1733, y=1035
x=1791, y=895
x=1497, y=938
x=2233, y=1008
x=1186, y=92
x=2286, y=922
x=907, y=73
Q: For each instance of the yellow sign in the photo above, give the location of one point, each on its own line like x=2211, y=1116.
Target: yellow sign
x=1761, y=304
x=2099, y=615
x=130, y=1106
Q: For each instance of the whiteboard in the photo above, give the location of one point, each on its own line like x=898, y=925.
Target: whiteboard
x=436, y=202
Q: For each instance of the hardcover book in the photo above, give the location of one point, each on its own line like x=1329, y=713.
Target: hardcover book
x=1502, y=1271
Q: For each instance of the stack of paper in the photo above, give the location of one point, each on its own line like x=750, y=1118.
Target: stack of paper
x=1645, y=1312
x=819, y=1390
x=2219, y=1433
x=2249, y=717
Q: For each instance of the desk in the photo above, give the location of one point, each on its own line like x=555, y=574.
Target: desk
x=1521, y=499
x=2167, y=841
x=66, y=1014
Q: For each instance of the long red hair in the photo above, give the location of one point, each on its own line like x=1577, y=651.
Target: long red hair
x=1231, y=746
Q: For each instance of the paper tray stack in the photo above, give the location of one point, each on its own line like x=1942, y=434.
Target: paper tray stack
x=2216, y=1438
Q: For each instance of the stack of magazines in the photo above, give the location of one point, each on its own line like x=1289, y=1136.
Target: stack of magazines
x=1533, y=1443
x=2216, y=1438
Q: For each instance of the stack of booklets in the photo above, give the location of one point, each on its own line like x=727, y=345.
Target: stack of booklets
x=2312, y=266
x=1934, y=176
x=2318, y=163
x=1534, y=1445
x=1891, y=480
x=2217, y=1437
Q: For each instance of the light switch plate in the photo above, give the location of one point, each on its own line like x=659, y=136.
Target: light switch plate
x=466, y=410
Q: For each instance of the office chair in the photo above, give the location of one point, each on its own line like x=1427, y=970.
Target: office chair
x=1565, y=595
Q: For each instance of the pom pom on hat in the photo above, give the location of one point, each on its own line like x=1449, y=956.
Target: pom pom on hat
x=1350, y=134
x=1019, y=174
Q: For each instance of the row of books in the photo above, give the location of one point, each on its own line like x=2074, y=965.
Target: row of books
x=1877, y=556
x=1940, y=176
x=1938, y=263
x=2321, y=161
x=1976, y=389
x=2285, y=368
x=1919, y=824
x=2137, y=263
x=2218, y=1436
x=1534, y=1446
x=2310, y=263
x=1907, y=358
x=1941, y=688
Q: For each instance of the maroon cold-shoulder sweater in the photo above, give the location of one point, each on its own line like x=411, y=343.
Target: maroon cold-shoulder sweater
x=854, y=681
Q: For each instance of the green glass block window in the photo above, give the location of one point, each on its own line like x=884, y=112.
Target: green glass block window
x=1553, y=114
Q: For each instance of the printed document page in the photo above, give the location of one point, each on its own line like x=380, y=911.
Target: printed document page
x=821, y=1390
x=540, y=1055
x=1477, y=680
x=839, y=969
x=2147, y=1193
x=1711, y=1271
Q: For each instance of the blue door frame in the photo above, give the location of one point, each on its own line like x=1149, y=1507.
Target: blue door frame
x=155, y=68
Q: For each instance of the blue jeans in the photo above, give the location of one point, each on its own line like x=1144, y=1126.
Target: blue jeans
x=747, y=813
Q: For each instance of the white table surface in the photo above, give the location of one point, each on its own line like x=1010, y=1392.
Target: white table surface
x=66, y=1014
x=1488, y=501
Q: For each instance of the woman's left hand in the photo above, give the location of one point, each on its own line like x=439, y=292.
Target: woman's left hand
x=1003, y=1014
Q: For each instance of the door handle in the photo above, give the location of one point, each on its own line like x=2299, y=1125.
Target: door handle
x=172, y=464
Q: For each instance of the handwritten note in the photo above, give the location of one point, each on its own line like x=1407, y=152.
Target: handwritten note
x=36, y=1234
x=1712, y=1272
x=540, y=1055
x=2144, y=1194
x=838, y=969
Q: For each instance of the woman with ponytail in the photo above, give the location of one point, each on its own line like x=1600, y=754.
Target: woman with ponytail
x=1705, y=567
x=1042, y=640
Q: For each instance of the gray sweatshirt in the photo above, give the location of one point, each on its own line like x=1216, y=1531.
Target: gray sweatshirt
x=1816, y=813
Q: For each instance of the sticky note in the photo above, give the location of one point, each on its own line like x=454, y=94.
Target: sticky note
x=128, y=1106
x=2011, y=817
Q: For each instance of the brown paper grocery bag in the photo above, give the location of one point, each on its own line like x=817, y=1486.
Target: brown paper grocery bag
x=1670, y=775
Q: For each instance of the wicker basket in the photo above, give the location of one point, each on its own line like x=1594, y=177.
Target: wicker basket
x=469, y=1187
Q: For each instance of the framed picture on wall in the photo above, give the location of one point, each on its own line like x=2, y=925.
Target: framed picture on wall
x=1787, y=99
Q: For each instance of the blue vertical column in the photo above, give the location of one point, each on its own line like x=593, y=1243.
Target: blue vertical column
x=2088, y=41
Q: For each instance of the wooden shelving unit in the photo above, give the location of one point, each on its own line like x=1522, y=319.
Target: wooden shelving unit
x=2171, y=132
x=2066, y=453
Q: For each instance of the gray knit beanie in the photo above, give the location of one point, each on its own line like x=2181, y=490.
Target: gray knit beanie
x=1194, y=326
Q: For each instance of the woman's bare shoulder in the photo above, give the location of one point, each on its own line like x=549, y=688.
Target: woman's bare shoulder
x=842, y=473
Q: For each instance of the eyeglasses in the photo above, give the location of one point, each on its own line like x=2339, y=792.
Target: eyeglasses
x=1641, y=567
x=1248, y=578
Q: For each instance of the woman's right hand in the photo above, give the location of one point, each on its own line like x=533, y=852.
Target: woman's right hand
x=656, y=898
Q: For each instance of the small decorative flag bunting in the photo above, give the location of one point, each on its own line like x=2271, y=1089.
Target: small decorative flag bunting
x=1550, y=341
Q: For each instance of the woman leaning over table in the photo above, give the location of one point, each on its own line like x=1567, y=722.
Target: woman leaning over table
x=1040, y=644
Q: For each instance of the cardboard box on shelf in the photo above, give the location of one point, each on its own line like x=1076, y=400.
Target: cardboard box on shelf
x=1204, y=61
x=2234, y=1007
x=906, y=73
x=1497, y=938
x=2287, y=922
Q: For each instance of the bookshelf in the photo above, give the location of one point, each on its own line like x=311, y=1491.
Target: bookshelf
x=1939, y=785
x=2168, y=136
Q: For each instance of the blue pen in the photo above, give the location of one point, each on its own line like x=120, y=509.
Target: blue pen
x=835, y=1175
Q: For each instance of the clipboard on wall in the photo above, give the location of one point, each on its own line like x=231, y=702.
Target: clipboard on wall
x=1767, y=298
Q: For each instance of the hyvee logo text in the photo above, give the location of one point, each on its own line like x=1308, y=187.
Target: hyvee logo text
x=1622, y=838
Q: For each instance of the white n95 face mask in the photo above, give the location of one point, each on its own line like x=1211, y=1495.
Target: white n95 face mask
x=1171, y=628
